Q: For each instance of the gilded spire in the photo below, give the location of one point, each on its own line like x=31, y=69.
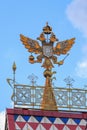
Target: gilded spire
x=48, y=101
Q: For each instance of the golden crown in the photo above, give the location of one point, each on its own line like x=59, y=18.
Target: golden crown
x=47, y=29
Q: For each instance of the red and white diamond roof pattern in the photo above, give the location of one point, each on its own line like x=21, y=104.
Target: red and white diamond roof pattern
x=46, y=124
x=19, y=119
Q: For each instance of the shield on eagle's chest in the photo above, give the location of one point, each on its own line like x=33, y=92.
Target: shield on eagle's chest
x=47, y=50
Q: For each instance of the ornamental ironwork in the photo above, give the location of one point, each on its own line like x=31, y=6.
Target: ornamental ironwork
x=27, y=96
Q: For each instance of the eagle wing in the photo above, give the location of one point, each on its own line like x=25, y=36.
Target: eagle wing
x=63, y=47
x=30, y=44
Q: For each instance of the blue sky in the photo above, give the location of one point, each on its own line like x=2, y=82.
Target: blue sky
x=66, y=17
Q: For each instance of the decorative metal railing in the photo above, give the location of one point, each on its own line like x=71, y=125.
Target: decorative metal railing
x=66, y=98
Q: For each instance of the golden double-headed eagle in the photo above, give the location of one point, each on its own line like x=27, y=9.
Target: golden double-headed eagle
x=46, y=49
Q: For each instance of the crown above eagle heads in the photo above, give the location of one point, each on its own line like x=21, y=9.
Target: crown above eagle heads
x=46, y=31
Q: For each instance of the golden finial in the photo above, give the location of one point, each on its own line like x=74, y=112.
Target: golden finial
x=47, y=29
x=14, y=67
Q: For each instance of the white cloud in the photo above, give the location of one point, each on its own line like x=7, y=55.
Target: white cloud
x=81, y=69
x=2, y=120
x=77, y=14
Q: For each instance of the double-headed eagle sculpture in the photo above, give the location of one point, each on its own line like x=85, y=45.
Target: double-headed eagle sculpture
x=47, y=50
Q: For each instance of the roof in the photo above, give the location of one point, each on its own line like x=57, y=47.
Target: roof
x=24, y=119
